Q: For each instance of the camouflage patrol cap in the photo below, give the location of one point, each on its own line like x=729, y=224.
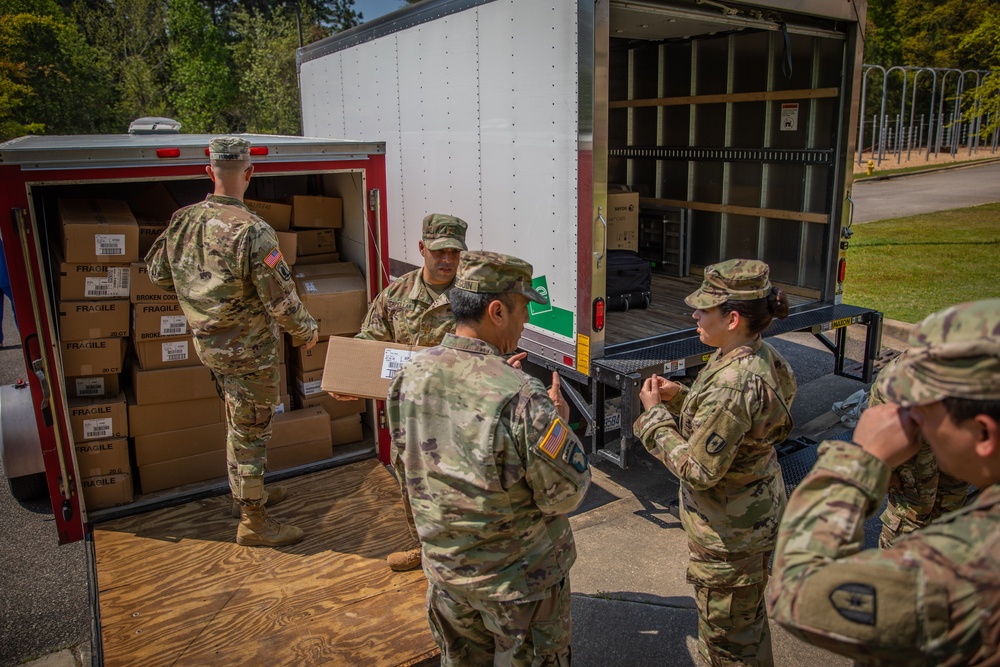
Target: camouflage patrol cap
x=229, y=148
x=732, y=280
x=492, y=273
x=953, y=353
x=444, y=231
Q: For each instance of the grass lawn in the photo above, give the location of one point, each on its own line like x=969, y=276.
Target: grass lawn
x=910, y=267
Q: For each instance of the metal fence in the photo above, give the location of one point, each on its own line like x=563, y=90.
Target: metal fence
x=950, y=118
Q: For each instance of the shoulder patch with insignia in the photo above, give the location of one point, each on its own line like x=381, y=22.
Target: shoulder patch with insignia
x=554, y=440
x=273, y=258
x=574, y=456
x=284, y=272
x=715, y=443
x=855, y=602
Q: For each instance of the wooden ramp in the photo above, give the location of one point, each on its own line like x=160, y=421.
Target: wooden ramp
x=176, y=589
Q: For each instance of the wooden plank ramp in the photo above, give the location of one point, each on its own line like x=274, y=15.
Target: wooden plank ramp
x=176, y=589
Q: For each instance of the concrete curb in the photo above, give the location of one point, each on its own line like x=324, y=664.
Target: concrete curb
x=931, y=170
x=897, y=329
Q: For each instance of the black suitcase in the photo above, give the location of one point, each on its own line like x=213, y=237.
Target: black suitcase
x=629, y=281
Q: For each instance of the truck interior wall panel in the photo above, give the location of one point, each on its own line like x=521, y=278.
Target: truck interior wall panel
x=814, y=260
x=750, y=62
x=350, y=187
x=530, y=134
x=712, y=60
x=782, y=239
x=742, y=234
x=706, y=240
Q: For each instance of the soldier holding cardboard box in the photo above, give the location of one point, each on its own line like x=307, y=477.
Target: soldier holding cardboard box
x=233, y=284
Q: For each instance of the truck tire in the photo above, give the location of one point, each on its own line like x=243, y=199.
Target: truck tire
x=29, y=487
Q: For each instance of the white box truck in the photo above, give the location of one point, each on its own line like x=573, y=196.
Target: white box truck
x=731, y=125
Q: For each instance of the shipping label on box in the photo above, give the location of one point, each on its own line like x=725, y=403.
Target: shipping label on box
x=158, y=320
x=307, y=383
x=142, y=290
x=357, y=367
x=100, y=356
x=316, y=212
x=93, y=386
x=103, y=457
x=337, y=303
x=106, y=491
x=165, y=353
x=623, y=221
x=98, y=418
x=284, y=404
x=167, y=385
x=93, y=281
x=277, y=215
x=98, y=230
x=81, y=320
x=314, y=242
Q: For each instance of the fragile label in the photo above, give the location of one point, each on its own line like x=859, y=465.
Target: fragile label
x=89, y=386
x=103, y=288
x=109, y=244
x=173, y=325
x=97, y=428
x=175, y=350
x=392, y=361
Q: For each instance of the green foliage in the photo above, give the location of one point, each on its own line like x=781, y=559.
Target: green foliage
x=202, y=82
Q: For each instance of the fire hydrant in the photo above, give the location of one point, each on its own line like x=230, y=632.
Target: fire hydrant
x=871, y=167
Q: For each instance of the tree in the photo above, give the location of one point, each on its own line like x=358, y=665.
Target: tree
x=982, y=45
x=202, y=83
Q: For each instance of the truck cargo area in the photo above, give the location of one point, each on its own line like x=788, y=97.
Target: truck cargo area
x=175, y=589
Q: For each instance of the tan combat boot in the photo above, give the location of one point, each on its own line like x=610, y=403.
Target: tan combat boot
x=273, y=495
x=401, y=561
x=257, y=529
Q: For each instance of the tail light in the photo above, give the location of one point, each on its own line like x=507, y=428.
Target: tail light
x=598, y=314
x=168, y=152
x=842, y=270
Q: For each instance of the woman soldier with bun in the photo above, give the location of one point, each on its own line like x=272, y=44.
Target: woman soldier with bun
x=720, y=446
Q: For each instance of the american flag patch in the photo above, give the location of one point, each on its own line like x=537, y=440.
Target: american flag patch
x=273, y=258
x=554, y=440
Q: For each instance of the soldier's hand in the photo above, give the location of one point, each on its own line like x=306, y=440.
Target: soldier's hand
x=555, y=393
x=343, y=397
x=656, y=389
x=312, y=342
x=888, y=433
x=514, y=361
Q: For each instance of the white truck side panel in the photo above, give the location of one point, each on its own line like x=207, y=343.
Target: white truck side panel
x=479, y=113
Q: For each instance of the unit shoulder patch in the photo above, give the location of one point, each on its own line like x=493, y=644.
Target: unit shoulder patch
x=855, y=602
x=715, y=443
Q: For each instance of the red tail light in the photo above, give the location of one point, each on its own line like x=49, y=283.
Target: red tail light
x=842, y=271
x=598, y=314
x=168, y=152
x=258, y=150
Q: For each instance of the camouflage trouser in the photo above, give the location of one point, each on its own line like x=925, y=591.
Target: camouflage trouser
x=407, y=510
x=918, y=494
x=526, y=633
x=732, y=620
x=250, y=400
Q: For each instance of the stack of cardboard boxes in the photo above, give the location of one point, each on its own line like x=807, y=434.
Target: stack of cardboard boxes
x=99, y=238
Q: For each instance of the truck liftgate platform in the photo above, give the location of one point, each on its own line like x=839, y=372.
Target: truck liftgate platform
x=174, y=588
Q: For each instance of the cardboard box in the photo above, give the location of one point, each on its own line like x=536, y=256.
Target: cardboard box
x=158, y=320
x=314, y=242
x=284, y=404
x=282, y=379
x=179, y=444
x=324, y=269
x=161, y=417
x=338, y=303
x=154, y=204
x=166, y=385
x=149, y=231
x=322, y=258
x=82, y=320
x=287, y=244
x=623, y=221
x=106, y=491
x=103, y=457
x=166, y=353
x=93, y=281
x=142, y=290
x=346, y=430
x=177, y=472
x=365, y=368
x=297, y=426
x=300, y=453
x=98, y=418
x=316, y=212
x=307, y=383
x=98, y=230
x=93, y=386
x=309, y=360
x=334, y=408
x=99, y=356
x=277, y=215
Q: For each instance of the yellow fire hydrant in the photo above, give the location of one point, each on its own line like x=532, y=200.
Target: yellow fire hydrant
x=871, y=167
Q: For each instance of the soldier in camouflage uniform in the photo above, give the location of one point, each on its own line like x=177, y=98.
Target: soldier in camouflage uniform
x=415, y=310
x=933, y=597
x=721, y=448
x=490, y=471
x=235, y=289
x=919, y=492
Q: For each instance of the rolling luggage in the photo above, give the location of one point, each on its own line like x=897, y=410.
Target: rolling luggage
x=629, y=280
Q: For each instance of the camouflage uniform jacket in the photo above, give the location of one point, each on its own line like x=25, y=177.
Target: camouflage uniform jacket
x=489, y=469
x=232, y=283
x=406, y=312
x=933, y=598
x=723, y=454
